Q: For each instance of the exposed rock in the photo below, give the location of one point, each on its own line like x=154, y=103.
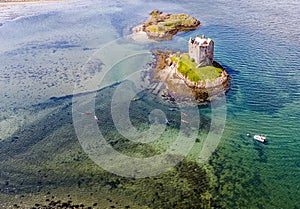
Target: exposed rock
x=183, y=88
x=163, y=26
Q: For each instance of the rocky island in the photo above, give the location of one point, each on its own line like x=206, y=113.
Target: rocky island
x=182, y=76
x=191, y=74
x=163, y=26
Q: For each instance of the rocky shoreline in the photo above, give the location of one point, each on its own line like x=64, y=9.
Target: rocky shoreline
x=163, y=26
x=180, y=87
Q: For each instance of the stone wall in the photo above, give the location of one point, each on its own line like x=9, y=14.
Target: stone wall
x=194, y=52
x=203, y=55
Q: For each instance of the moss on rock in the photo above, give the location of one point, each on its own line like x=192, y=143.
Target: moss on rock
x=162, y=26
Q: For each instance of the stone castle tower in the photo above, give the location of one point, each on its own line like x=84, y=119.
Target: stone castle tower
x=202, y=50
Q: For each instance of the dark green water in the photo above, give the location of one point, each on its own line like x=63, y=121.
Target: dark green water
x=42, y=159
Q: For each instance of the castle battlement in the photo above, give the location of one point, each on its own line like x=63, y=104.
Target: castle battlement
x=201, y=50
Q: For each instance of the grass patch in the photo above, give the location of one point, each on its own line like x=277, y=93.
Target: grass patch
x=162, y=23
x=182, y=19
x=156, y=28
x=188, y=68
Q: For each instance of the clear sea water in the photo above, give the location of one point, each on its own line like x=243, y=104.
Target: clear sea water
x=47, y=49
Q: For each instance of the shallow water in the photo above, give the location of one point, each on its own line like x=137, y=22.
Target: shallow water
x=54, y=51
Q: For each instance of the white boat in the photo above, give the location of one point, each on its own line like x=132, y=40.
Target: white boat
x=260, y=138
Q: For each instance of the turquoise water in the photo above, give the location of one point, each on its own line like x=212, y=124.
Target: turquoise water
x=43, y=57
